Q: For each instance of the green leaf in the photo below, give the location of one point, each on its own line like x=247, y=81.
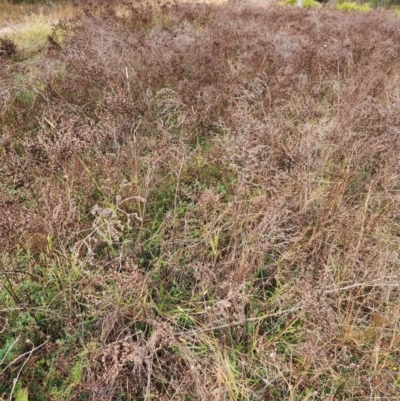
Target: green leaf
x=21, y=394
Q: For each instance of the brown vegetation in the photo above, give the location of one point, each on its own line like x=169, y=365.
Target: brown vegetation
x=202, y=203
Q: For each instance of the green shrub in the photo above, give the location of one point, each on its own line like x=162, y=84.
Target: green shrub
x=349, y=6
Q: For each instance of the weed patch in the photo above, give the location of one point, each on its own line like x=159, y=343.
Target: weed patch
x=200, y=202
x=348, y=6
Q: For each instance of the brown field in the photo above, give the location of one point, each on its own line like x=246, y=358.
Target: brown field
x=199, y=202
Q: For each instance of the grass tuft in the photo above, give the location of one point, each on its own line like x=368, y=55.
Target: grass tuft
x=349, y=6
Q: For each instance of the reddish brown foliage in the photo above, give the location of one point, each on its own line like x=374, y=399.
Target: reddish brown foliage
x=223, y=184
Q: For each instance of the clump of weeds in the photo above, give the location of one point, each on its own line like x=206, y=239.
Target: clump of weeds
x=201, y=202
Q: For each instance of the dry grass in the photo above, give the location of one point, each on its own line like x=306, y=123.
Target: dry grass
x=29, y=25
x=26, y=12
x=202, y=203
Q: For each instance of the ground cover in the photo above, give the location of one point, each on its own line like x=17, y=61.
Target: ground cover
x=201, y=202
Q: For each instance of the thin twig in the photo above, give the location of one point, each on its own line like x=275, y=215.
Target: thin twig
x=29, y=353
x=238, y=322
x=15, y=380
x=348, y=287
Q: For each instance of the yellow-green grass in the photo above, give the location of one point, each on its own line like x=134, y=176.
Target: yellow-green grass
x=29, y=25
x=31, y=36
x=350, y=6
